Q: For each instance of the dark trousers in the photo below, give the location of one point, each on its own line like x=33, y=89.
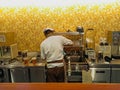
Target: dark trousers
x=55, y=74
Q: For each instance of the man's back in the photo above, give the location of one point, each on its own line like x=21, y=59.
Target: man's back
x=53, y=48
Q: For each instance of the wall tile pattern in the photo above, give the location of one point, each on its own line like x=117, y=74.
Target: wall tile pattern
x=29, y=22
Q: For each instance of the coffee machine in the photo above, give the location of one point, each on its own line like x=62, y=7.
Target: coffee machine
x=74, y=55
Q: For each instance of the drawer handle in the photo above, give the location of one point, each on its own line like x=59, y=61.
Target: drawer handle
x=100, y=71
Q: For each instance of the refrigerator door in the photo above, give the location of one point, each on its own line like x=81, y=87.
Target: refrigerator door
x=37, y=74
x=100, y=74
x=19, y=74
x=4, y=75
x=115, y=73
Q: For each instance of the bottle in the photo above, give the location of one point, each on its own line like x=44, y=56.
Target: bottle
x=100, y=56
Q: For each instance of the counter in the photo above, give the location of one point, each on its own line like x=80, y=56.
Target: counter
x=97, y=73
x=105, y=72
x=18, y=72
x=58, y=86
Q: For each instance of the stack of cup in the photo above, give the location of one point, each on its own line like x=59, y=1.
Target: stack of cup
x=34, y=61
x=26, y=60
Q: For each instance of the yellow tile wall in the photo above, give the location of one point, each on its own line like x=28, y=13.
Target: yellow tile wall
x=9, y=38
x=28, y=22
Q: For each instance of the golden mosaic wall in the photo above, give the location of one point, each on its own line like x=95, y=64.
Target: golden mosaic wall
x=28, y=22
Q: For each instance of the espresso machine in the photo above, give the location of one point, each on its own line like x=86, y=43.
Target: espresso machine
x=74, y=55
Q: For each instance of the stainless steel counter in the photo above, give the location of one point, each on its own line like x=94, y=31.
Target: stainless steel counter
x=105, y=72
x=18, y=72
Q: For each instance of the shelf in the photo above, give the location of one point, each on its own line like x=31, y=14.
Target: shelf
x=67, y=33
x=80, y=63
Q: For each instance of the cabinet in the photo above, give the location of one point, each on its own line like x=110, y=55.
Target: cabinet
x=37, y=74
x=101, y=73
x=115, y=73
x=4, y=75
x=27, y=74
x=74, y=71
x=19, y=74
x=105, y=73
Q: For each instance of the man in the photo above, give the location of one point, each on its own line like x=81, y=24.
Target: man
x=52, y=52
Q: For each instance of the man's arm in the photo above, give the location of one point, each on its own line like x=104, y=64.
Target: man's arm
x=67, y=41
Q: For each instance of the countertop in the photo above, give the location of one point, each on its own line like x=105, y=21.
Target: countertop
x=58, y=86
x=19, y=64
x=114, y=61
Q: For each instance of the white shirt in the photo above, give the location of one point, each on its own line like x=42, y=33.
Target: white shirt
x=52, y=49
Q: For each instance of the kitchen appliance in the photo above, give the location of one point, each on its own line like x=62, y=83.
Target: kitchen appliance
x=19, y=74
x=37, y=74
x=100, y=73
x=113, y=39
x=115, y=73
x=74, y=55
x=4, y=75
